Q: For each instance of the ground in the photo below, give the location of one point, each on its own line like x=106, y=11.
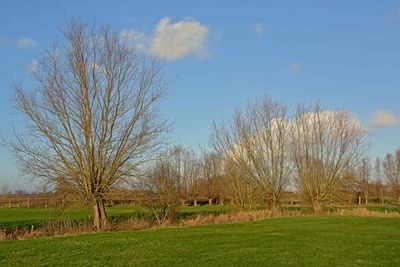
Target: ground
x=292, y=241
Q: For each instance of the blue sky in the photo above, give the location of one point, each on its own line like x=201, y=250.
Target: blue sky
x=344, y=53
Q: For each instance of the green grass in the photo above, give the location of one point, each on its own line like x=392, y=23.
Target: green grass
x=294, y=241
x=384, y=208
x=25, y=218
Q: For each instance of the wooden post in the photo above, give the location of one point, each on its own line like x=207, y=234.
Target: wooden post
x=359, y=201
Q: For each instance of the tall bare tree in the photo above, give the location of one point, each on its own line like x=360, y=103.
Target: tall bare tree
x=391, y=169
x=364, y=175
x=324, y=145
x=380, y=187
x=92, y=116
x=255, y=145
x=213, y=176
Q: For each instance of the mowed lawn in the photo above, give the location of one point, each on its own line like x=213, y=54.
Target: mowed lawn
x=295, y=241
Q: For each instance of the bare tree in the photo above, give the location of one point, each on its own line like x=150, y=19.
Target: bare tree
x=254, y=145
x=213, y=176
x=92, y=116
x=191, y=174
x=364, y=175
x=4, y=189
x=347, y=189
x=324, y=145
x=380, y=187
x=391, y=169
x=162, y=186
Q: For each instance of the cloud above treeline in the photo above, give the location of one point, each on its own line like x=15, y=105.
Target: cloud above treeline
x=383, y=119
x=26, y=43
x=171, y=40
x=20, y=43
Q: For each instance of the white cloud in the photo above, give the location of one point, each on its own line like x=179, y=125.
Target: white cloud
x=171, y=41
x=33, y=66
x=294, y=68
x=382, y=119
x=26, y=43
x=259, y=28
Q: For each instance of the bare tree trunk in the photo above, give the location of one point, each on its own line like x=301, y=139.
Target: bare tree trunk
x=210, y=201
x=317, y=206
x=99, y=215
x=195, y=202
x=221, y=201
x=275, y=207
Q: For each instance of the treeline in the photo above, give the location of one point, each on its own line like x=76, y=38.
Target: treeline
x=262, y=156
x=264, y=152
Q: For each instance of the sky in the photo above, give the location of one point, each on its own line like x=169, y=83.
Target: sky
x=218, y=55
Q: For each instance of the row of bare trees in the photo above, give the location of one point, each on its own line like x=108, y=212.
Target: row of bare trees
x=264, y=148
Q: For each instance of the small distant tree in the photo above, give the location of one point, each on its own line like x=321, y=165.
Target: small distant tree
x=91, y=117
x=4, y=189
x=212, y=176
x=347, y=189
x=364, y=175
x=380, y=186
x=391, y=169
x=324, y=145
x=162, y=188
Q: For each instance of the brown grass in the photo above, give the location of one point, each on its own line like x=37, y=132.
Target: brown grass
x=363, y=212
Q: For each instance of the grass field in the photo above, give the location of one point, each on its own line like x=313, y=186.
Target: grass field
x=25, y=218
x=295, y=241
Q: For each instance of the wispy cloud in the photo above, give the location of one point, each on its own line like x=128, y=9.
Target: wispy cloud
x=259, y=28
x=171, y=40
x=26, y=43
x=383, y=119
x=33, y=66
x=293, y=69
x=20, y=43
